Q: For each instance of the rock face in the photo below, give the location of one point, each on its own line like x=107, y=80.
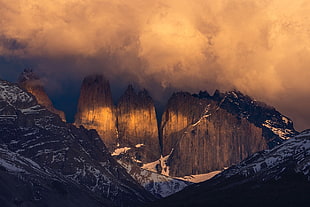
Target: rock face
x=137, y=125
x=54, y=159
x=276, y=127
x=96, y=109
x=201, y=137
x=32, y=83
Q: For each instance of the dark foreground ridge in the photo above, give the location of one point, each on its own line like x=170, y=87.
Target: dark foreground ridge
x=46, y=162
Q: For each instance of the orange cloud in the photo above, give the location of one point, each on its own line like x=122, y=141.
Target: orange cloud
x=259, y=47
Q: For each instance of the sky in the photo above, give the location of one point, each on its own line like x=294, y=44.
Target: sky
x=260, y=47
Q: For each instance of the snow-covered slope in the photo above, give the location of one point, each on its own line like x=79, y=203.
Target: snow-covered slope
x=159, y=185
x=276, y=177
x=292, y=154
x=25, y=183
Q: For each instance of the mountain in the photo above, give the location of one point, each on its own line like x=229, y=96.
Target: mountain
x=199, y=136
x=137, y=125
x=276, y=127
x=276, y=177
x=96, y=109
x=51, y=159
x=203, y=133
x=33, y=84
x=198, y=133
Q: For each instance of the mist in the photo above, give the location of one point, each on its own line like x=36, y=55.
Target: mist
x=259, y=47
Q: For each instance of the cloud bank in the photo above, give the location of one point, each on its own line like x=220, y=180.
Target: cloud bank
x=257, y=46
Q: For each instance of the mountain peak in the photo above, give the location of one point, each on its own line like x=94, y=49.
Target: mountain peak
x=32, y=83
x=95, y=79
x=28, y=74
x=130, y=91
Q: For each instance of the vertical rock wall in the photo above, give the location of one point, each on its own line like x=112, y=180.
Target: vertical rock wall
x=203, y=137
x=96, y=109
x=137, y=124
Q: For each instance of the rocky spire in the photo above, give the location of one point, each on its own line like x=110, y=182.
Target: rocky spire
x=32, y=83
x=137, y=124
x=96, y=109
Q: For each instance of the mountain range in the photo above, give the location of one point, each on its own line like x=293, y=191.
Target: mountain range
x=130, y=155
x=198, y=133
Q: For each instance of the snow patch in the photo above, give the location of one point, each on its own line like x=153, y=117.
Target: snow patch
x=286, y=120
x=139, y=145
x=162, y=162
x=12, y=93
x=119, y=151
x=200, y=177
x=9, y=166
x=282, y=133
x=32, y=110
x=157, y=184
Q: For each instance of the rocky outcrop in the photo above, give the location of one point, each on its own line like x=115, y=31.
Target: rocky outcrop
x=57, y=163
x=137, y=125
x=96, y=109
x=201, y=137
x=32, y=83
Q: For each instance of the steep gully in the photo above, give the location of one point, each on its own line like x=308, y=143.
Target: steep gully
x=197, y=134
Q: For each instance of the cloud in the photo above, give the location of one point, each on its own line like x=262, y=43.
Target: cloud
x=259, y=47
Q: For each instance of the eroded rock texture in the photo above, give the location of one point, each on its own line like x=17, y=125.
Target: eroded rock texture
x=202, y=137
x=137, y=124
x=32, y=83
x=96, y=109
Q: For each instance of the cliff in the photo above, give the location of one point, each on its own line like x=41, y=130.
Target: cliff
x=137, y=124
x=202, y=137
x=96, y=109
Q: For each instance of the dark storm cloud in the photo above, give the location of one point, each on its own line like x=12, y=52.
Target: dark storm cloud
x=259, y=47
